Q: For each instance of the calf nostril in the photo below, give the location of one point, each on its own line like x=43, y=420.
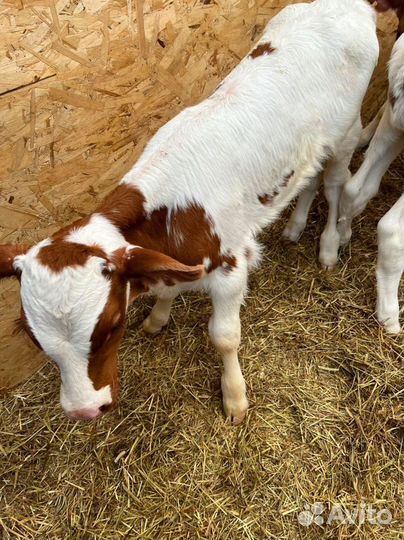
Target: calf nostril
x=105, y=408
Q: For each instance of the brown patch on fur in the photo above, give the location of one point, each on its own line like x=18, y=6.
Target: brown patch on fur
x=59, y=255
x=262, y=50
x=229, y=262
x=186, y=235
x=8, y=253
x=106, y=337
x=286, y=178
x=384, y=5
x=267, y=199
x=124, y=206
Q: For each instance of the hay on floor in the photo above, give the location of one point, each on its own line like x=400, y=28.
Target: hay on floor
x=325, y=424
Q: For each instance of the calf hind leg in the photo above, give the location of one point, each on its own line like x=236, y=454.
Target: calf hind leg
x=390, y=265
x=159, y=315
x=336, y=175
x=298, y=219
x=364, y=185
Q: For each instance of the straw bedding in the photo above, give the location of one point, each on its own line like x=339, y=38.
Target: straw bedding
x=325, y=385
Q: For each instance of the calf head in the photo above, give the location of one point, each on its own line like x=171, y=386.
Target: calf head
x=73, y=305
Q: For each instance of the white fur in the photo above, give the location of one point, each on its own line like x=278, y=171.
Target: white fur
x=100, y=228
x=387, y=143
x=286, y=110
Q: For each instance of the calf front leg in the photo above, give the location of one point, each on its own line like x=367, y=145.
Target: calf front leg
x=390, y=266
x=224, y=331
x=159, y=315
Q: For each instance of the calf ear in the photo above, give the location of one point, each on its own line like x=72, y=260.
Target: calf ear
x=148, y=267
x=8, y=253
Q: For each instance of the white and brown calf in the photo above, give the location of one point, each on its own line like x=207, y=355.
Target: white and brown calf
x=187, y=214
x=385, y=146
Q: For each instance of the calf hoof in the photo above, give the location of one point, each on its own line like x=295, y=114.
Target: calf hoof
x=235, y=410
x=151, y=328
x=292, y=232
x=328, y=267
x=391, y=325
x=393, y=329
x=329, y=257
x=328, y=262
x=329, y=245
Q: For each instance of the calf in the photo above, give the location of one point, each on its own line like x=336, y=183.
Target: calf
x=187, y=214
x=298, y=218
x=385, y=146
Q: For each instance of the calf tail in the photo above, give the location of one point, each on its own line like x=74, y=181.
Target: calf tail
x=370, y=129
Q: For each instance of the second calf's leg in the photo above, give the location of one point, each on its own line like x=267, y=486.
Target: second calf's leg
x=336, y=175
x=298, y=219
x=390, y=266
x=159, y=316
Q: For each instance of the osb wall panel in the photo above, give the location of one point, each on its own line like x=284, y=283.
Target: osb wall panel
x=84, y=84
